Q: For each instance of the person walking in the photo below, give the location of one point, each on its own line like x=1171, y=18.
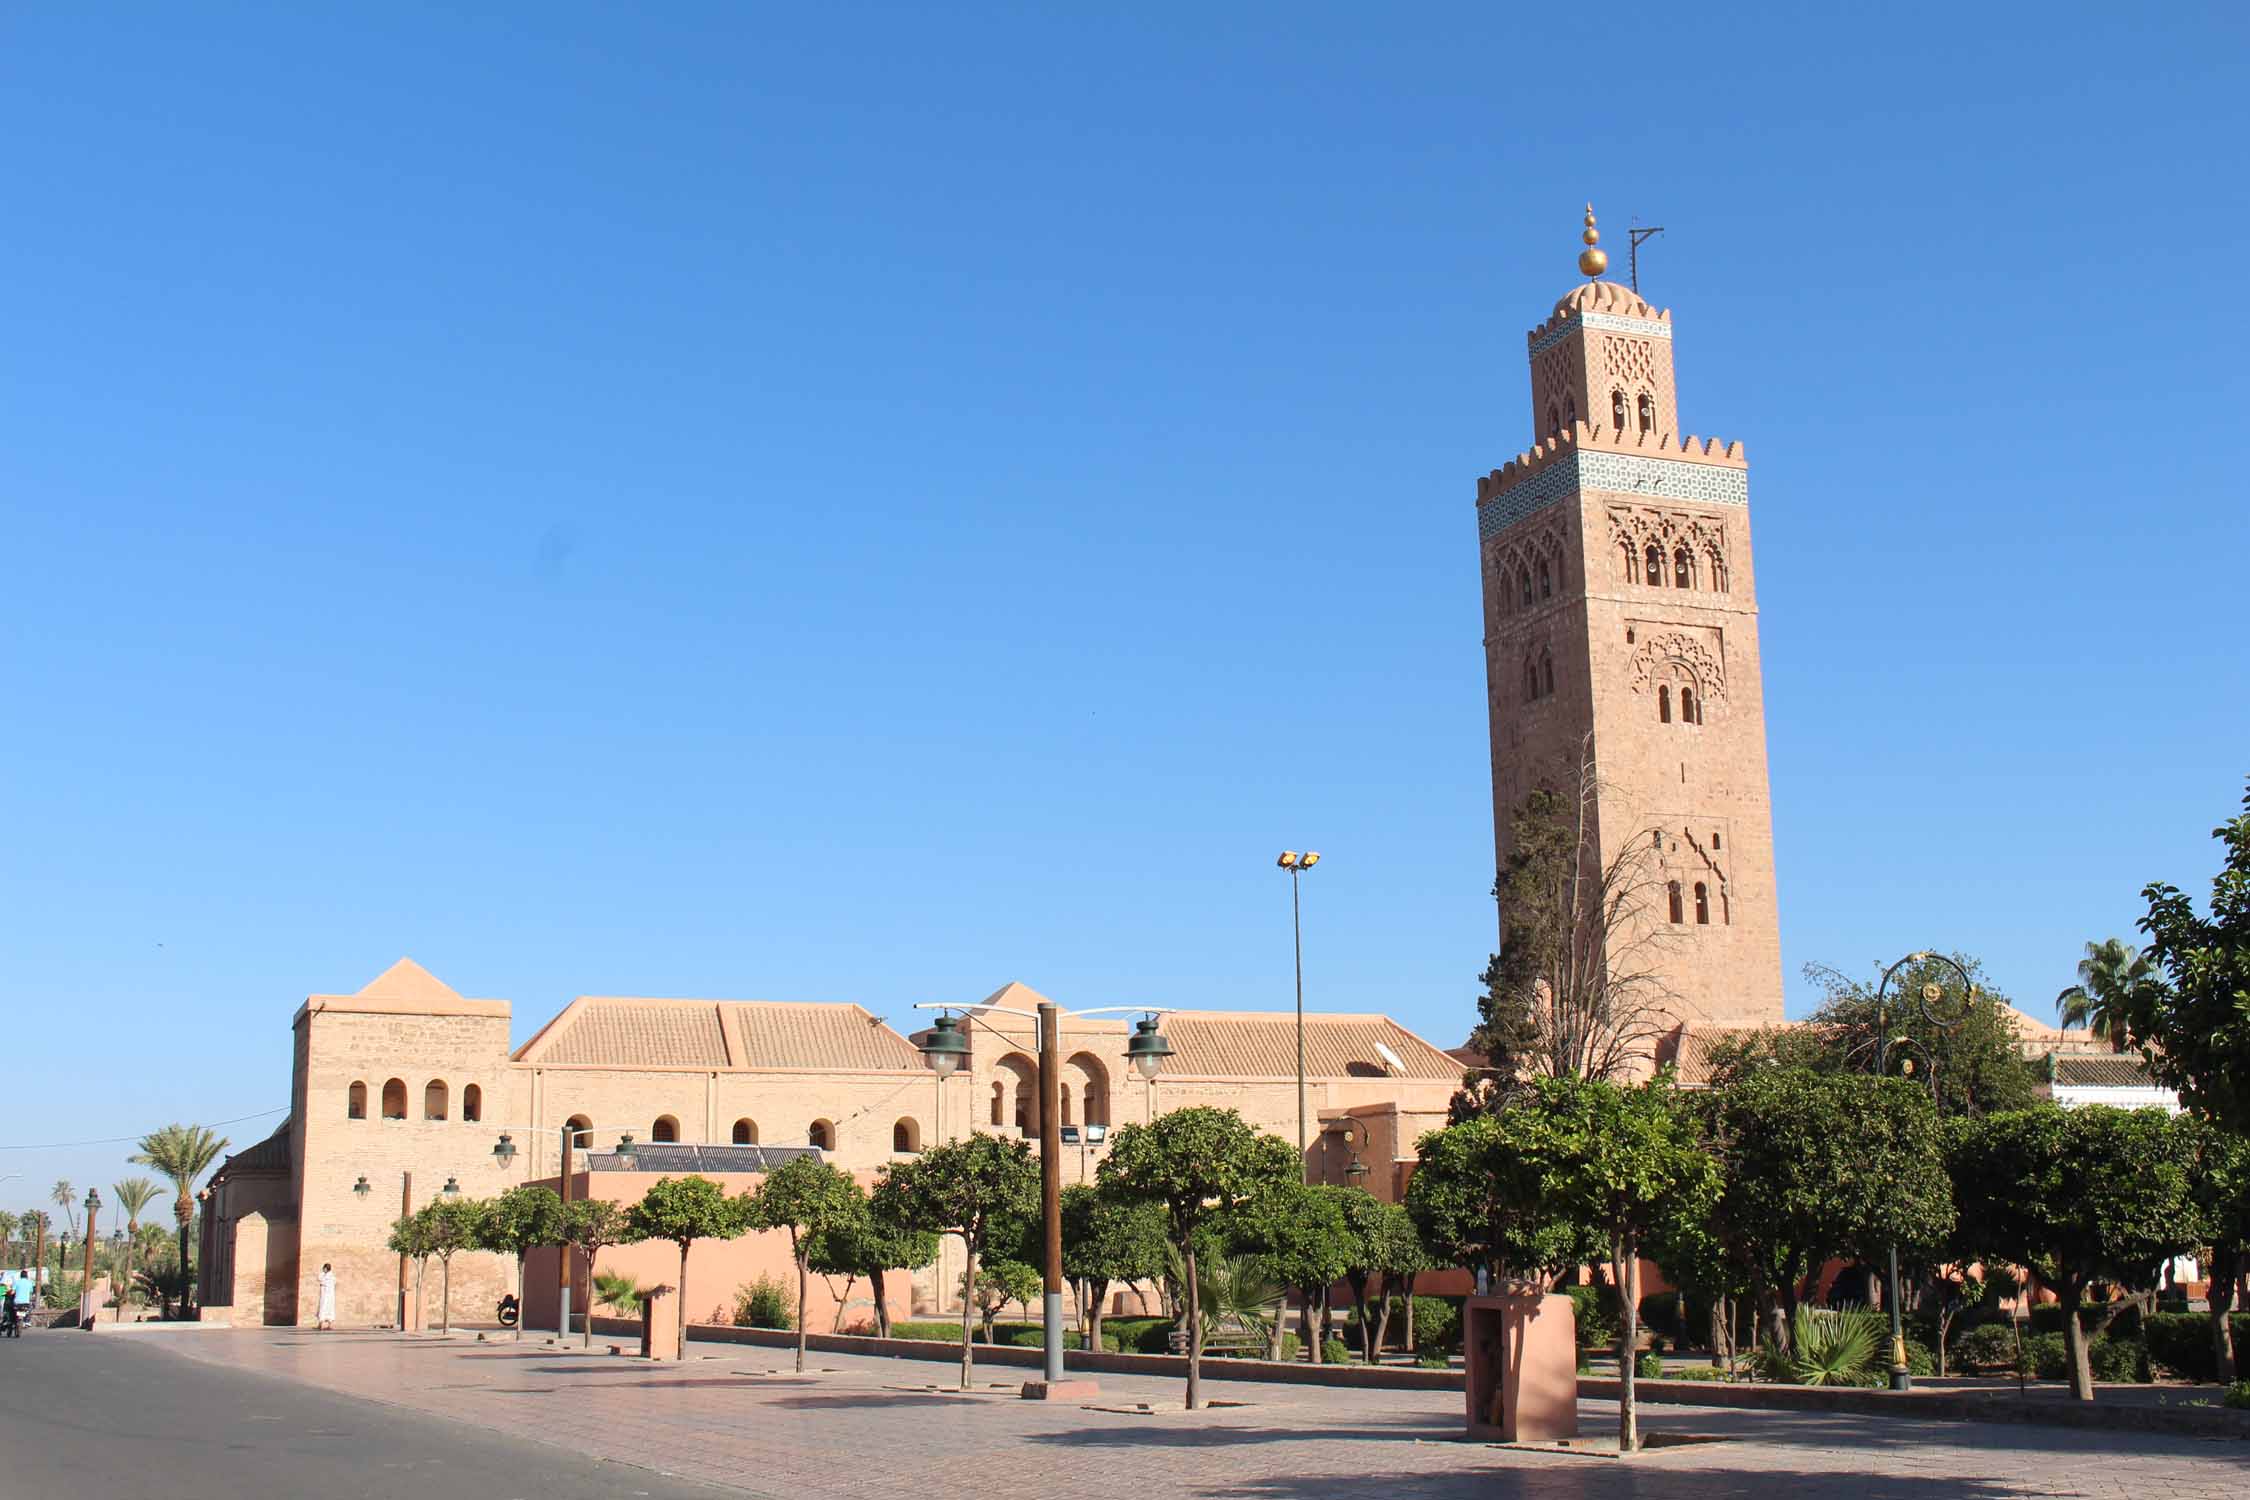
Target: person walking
x=10, y=1325
x=327, y=1312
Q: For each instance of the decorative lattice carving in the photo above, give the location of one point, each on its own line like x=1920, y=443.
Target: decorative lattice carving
x=1632, y=360
x=1689, y=653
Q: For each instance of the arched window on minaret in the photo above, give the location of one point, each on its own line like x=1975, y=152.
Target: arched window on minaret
x=1530, y=679
x=1653, y=563
x=1617, y=410
x=1683, y=571
x=1546, y=580
x=1523, y=586
x=1546, y=674
x=1554, y=418
x=1689, y=713
x=1702, y=905
x=1570, y=411
x=1648, y=413
x=1718, y=569
x=1673, y=889
x=1627, y=549
x=1664, y=705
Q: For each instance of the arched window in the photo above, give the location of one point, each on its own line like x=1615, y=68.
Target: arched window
x=1653, y=558
x=1716, y=846
x=1570, y=410
x=1726, y=907
x=666, y=1131
x=1683, y=575
x=472, y=1104
x=1617, y=410
x=581, y=1132
x=1648, y=414
x=1663, y=705
x=1530, y=680
x=1718, y=570
x=999, y=1102
x=1546, y=674
x=1093, y=1088
x=1702, y=904
x=822, y=1134
x=1546, y=580
x=1062, y=1102
x=433, y=1100
x=1673, y=890
x=1627, y=549
x=745, y=1133
x=355, y=1102
x=394, y=1099
x=1554, y=418
x=1523, y=586
x=1689, y=712
x=906, y=1135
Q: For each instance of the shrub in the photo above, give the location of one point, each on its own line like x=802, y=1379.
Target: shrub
x=1437, y=1325
x=1595, y=1310
x=1692, y=1372
x=764, y=1303
x=2046, y=1356
x=1650, y=1366
x=1137, y=1335
x=2117, y=1359
x=937, y=1333
x=1988, y=1346
x=1291, y=1347
x=2181, y=1343
x=1335, y=1352
x=1837, y=1347
x=1919, y=1360
x=2048, y=1318
x=2237, y=1396
x=1432, y=1360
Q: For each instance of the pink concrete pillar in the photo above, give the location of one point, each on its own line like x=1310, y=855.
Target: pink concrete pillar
x=1521, y=1348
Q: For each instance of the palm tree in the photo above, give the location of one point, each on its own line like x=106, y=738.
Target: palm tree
x=183, y=1153
x=2112, y=971
x=133, y=1195
x=7, y=1233
x=65, y=1197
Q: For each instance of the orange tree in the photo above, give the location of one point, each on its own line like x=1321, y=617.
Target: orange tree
x=978, y=1187
x=684, y=1210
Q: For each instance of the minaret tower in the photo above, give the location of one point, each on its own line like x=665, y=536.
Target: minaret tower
x=1620, y=610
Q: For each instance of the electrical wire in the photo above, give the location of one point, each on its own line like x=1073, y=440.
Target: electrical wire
x=116, y=1140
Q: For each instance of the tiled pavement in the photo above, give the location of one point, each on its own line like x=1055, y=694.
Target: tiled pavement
x=861, y=1426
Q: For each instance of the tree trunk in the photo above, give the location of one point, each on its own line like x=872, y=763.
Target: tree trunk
x=1280, y=1329
x=445, y=1295
x=968, y=1281
x=882, y=1309
x=184, y=1211
x=1409, y=1291
x=1383, y=1320
x=1628, y=1417
x=843, y=1303
x=804, y=1280
x=1720, y=1354
x=1310, y=1322
x=681, y=1352
x=1194, y=1330
x=588, y=1325
x=420, y=1319
x=520, y=1258
x=2074, y=1338
x=2226, y=1261
x=1097, y=1292
x=1366, y=1329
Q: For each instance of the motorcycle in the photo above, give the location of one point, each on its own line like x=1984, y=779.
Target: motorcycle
x=509, y=1312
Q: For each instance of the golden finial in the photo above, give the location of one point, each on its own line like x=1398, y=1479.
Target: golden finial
x=1592, y=260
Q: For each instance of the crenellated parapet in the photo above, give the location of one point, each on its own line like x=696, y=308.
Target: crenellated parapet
x=1586, y=457
x=1589, y=437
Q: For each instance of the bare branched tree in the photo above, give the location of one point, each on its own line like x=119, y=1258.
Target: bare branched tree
x=1578, y=989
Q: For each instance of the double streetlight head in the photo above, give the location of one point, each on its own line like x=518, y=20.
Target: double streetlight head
x=1292, y=860
x=946, y=1047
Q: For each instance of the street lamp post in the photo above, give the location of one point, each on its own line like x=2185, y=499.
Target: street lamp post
x=1925, y=1001
x=86, y=1283
x=1146, y=1050
x=1297, y=864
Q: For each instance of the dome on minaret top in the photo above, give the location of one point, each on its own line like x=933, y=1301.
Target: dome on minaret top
x=1604, y=296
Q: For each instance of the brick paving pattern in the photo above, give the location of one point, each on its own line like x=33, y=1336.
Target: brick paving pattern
x=738, y=1418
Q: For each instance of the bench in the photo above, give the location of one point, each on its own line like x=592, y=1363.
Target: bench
x=1235, y=1340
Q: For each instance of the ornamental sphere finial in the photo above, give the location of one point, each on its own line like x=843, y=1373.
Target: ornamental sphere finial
x=1593, y=260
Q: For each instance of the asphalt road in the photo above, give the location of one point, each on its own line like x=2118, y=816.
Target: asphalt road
x=93, y=1416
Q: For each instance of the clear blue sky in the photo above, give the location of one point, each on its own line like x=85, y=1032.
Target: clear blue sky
x=867, y=503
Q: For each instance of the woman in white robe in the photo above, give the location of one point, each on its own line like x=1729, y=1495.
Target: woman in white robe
x=327, y=1314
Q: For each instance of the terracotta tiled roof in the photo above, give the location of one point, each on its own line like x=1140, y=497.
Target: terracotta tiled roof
x=1689, y=1050
x=2113, y=1071
x=731, y=1035
x=269, y=1155
x=774, y=1034
x=1263, y=1044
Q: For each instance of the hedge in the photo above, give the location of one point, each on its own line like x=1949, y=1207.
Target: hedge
x=2181, y=1344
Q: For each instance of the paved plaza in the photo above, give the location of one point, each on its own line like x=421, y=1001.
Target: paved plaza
x=737, y=1418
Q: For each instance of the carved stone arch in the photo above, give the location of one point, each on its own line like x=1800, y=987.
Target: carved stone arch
x=1686, y=654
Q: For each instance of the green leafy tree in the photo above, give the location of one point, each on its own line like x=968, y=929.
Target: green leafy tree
x=1108, y=1240
x=182, y=1153
x=1302, y=1240
x=1003, y=1279
x=1621, y=1162
x=134, y=1194
x=1197, y=1165
x=519, y=1221
x=2221, y=1188
x=2194, y=1028
x=978, y=1187
x=2102, y=999
x=2078, y=1196
x=8, y=1224
x=871, y=1246
x=808, y=1198
x=1976, y=1065
x=590, y=1226
x=1467, y=1214
x=1820, y=1165
x=684, y=1210
x=455, y=1225
x=1382, y=1242
x=411, y=1237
